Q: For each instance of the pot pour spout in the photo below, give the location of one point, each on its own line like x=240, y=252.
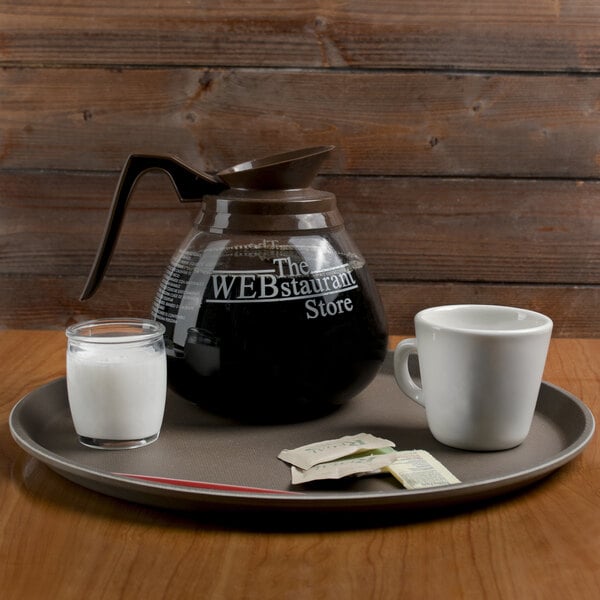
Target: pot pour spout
x=285, y=171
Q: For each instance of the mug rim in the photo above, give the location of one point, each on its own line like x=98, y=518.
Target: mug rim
x=541, y=323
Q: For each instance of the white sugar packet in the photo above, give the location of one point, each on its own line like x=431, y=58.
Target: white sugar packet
x=307, y=456
x=370, y=462
x=416, y=469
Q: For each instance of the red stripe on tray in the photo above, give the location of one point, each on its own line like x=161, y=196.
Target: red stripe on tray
x=206, y=485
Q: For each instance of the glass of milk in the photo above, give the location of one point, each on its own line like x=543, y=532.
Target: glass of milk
x=116, y=381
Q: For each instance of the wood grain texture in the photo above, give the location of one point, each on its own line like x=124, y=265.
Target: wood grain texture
x=427, y=241
x=408, y=228
x=540, y=543
x=539, y=35
x=467, y=160
x=383, y=123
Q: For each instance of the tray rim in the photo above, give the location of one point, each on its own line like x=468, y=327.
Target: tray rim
x=170, y=496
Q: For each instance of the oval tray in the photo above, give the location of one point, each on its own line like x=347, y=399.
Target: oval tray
x=202, y=461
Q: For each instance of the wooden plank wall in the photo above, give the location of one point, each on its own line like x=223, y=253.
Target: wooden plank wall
x=467, y=133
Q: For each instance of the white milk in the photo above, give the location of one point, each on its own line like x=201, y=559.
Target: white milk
x=116, y=393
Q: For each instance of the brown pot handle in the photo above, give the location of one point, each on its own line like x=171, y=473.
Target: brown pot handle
x=191, y=185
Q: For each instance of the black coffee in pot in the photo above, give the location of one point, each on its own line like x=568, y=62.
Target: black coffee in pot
x=288, y=337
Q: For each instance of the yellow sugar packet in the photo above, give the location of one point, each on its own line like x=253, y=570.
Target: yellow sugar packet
x=416, y=469
x=366, y=463
x=310, y=455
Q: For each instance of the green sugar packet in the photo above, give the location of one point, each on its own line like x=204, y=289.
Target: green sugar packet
x=369, y=462
x=310, y=455
x=417, y=469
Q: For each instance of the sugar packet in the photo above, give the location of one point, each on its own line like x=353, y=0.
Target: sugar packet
x=307, y=456
x=369, y=462
x=417, y=469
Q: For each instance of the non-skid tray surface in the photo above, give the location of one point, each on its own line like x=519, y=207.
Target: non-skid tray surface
x=198, y=446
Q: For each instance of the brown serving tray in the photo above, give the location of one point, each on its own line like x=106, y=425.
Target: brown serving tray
x=221, y=464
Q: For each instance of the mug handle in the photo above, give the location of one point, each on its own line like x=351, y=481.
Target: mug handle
x=406, y=383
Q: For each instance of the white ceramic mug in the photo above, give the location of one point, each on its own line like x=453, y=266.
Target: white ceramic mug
x=481, y=368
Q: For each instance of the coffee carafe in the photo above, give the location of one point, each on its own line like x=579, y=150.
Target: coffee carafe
x=269, y=309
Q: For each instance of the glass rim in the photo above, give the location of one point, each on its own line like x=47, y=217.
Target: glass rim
x=115, y=330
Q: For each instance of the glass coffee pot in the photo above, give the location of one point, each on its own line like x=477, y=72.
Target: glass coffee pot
x=269, y=310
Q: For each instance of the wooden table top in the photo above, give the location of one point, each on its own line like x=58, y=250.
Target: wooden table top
x=60, y=540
